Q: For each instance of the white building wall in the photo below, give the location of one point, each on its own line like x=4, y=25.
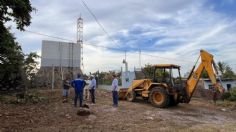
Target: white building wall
x=224, y=84
x=127, y=78
x=61, y=54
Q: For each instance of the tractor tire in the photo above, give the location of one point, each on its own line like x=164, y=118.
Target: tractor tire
x=131, y=96
x=159, y=97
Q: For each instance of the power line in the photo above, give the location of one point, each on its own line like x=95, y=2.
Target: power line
x=106, y=47
x=95, y=18
x=167, y=58
x=111, y=48
x=56, y=37
x=182, y=60
x=70, y=40
x=60, y=38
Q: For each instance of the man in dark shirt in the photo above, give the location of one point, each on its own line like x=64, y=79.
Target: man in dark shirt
x=66, y=86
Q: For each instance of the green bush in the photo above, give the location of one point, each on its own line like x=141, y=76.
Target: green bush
x=226, y=96
x=33, y=97
x=231, y=95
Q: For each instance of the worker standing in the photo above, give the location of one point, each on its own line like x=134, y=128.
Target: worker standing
x=86, y=89
x=78, y=85
x=115, y=91
x=66, y=86
x=92, y=87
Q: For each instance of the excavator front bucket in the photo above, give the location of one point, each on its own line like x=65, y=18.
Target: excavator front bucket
x=124, y=91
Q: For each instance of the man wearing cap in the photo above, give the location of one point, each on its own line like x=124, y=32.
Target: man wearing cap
x=114, y=86
x=92, y=87
x=78, y=85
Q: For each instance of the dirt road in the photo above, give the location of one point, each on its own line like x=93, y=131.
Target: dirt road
x=199, y=115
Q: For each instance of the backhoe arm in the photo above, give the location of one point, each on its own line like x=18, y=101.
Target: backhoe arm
x=208, y=64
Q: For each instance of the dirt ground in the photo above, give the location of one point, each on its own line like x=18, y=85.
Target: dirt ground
x=53, y=115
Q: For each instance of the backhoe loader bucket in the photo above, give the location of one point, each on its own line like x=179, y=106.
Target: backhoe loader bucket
x=123, y=92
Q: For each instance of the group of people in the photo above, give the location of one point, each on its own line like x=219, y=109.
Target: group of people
x=79, y=84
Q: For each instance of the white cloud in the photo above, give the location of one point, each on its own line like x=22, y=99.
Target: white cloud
x=187, y=22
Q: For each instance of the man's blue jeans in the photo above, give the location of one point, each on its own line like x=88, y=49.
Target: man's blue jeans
x=92, y=95
x=78, y=94
x=115, y=98
x=65, y=92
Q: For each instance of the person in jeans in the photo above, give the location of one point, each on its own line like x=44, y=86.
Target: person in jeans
x=92, y=87
x=115, y=91
x=66, y=86
x=78, y=85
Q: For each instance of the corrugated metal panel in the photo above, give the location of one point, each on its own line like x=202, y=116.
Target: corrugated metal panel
x=61, y=54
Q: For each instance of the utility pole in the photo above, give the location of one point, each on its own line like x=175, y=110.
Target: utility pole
x=140, y=59
x=52, y=76
x=125, y=55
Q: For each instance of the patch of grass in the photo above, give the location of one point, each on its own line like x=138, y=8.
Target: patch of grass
x=5, y=98
x=225, y=103
x=32, y=97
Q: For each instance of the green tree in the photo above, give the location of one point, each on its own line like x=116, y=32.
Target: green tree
x=17, y=11
x=229, y=73
x=221, y=67
x=148, y=71
x=11, y=62
x=204, y=74
x=12, y=72
x=30, y=64
x=225, y=70
x=30, y=67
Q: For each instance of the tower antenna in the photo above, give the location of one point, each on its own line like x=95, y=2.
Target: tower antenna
x=80, y=39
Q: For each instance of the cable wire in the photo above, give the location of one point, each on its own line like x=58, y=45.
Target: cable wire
x=111, y=48
x=95, y=18
x=50, y=36
x=167, y=58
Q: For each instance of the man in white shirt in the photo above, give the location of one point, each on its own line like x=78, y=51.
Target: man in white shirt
x=115, y=91
x=92, y=87
x=86, y=89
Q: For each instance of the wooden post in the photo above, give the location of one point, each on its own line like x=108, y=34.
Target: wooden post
x=52, y=76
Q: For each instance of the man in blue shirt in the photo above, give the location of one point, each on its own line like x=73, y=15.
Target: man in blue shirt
x=78, y=85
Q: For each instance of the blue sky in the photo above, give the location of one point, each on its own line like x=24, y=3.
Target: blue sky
x=175, y=29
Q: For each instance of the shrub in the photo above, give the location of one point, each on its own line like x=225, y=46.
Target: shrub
x=33, y=97
x=231, y=95
x=226, y=96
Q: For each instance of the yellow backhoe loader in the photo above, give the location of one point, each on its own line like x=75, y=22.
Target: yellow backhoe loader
x=165, y=90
